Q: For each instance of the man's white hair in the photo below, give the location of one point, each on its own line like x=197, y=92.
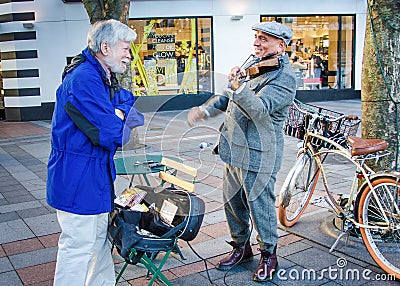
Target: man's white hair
x=110, y=31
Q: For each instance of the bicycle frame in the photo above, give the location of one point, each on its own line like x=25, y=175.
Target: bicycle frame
x=362, y=168
x=372, y=208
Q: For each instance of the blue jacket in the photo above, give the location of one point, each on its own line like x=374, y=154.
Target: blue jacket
x=85, y=136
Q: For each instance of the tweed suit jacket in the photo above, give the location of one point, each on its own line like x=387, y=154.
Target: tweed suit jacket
x=252, y=137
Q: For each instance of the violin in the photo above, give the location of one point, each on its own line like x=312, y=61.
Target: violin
x=263, y=67
x=254, y=67
x=257, y=66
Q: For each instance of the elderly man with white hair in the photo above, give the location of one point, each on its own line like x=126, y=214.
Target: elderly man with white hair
x=92, y=116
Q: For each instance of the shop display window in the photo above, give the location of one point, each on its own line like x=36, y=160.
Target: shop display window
x=322, y=50
x=172, y=56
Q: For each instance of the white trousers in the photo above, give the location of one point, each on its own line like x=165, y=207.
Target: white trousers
x=84, y=253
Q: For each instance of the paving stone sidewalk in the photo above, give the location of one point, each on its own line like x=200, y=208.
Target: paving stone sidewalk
x=29, y=230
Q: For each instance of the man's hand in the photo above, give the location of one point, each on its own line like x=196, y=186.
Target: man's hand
x=196, y=114
x=120, y=114
x=235, y=77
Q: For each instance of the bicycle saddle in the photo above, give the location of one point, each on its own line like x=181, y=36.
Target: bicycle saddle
x=362, y=146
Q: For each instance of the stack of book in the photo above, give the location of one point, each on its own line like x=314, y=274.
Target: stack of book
x=131, y=198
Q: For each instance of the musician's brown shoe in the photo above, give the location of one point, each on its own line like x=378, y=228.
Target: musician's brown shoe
x=239, y=254
x=267, y=267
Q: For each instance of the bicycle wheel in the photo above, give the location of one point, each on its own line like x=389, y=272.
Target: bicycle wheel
x=298, y=189
x=377, y=210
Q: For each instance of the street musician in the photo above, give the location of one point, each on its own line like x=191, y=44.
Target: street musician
x=256, y=102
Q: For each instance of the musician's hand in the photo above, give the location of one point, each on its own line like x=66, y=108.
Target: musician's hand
x=233, y=73
x=235, y=84
x=235, y=77
x=196, y=114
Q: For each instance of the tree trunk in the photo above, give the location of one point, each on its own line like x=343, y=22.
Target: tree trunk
x=381, y=77
x=98, y=10
x=107, y=9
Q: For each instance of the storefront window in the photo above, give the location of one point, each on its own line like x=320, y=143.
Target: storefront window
x=172, y=56
x=346, y=60
x=321, y=51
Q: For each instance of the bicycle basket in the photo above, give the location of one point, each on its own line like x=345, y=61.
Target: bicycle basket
x=295, y=124
x=344, y=128
x=338, y=131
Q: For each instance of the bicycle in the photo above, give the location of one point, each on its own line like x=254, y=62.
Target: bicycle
x=372, y=207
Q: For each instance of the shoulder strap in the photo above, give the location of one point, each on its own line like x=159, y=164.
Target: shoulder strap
x=76, y=61
x=114, y=86
x=172, y=232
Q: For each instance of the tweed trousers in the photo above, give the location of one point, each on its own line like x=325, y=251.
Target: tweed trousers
x=250, y=196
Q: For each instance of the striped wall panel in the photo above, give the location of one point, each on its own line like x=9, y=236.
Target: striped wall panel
x=23, y=89
x=28, y=16
x=32, y=54
x=18, y=36
x=20, y=73
x=22, y=92
x=14, y=1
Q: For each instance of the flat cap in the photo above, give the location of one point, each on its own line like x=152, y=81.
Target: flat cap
x=275, y=29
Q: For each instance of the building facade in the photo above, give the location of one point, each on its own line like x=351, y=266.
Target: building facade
x=183, y=51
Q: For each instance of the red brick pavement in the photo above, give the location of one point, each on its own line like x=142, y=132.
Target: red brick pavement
x=17, y=129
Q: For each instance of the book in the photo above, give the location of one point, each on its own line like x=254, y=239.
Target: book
x=168, y=211
x=130, y=197
x=139, y=208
